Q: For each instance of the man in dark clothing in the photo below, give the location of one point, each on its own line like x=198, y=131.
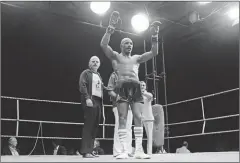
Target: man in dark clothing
x=91, y=89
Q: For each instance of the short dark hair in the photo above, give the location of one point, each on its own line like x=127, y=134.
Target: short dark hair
x=185, y=143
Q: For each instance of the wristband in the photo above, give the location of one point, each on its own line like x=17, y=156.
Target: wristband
x=154, y=38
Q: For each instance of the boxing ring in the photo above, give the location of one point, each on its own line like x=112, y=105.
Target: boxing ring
x=169, y=157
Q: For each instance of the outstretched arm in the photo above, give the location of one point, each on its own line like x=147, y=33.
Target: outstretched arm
x=149, y=55
x=154, y=50
x=105, y=47
x=115, y=16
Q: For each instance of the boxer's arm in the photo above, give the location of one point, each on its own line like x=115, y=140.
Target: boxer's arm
x=106, y=48
x=83, y=82
x=149, y=55
x=154, y=50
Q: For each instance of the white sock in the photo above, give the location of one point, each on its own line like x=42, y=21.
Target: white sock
x=122, y=133
x=138, y=132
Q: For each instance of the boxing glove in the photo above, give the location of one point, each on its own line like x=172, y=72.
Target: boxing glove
x=114, y=19
x=154, y=27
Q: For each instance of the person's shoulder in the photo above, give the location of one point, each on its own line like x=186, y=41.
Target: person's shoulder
x=85, y=71
x=116, y=53
x=136, y=57
x=149, y=92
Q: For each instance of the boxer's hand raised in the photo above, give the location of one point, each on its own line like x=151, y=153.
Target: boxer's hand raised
x=110, y=29
x=154, y=28
x=114, y=19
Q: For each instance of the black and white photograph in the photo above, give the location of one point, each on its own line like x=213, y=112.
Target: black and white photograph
x=119, y=81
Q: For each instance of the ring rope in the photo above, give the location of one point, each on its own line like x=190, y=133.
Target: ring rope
x=36, y=121
x=77, y=103
x=200, y=134
x=50, y=101
x=171, y=124
x=200, y=120
x=49, y=137
x=218, y=132
x=197, y=98
x=173, y=137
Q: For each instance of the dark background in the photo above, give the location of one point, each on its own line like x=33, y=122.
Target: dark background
x=43, y=55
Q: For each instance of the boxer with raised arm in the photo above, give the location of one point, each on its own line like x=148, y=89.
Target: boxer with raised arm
x=128, y=89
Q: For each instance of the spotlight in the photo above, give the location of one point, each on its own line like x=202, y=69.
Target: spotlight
x=203, y=3
x=233, y=13
x=99, y=7
x=140, y=22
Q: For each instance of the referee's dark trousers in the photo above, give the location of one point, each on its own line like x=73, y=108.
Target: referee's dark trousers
x=92, y=116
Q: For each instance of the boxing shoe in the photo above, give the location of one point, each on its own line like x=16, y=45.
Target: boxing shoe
x=130, y=155
x=95, y=155
x=141, y=155
x=88, y=155
x=122, y=156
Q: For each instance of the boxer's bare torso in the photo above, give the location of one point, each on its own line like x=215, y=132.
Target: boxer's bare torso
x=126, y=66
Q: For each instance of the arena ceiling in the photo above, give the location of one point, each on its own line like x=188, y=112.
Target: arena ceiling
x=173, y=15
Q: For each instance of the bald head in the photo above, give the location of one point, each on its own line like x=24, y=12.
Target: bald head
x=94, y=57
x=94, y=63
x=12, y=141
x=124, y=40
x=126, y=46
